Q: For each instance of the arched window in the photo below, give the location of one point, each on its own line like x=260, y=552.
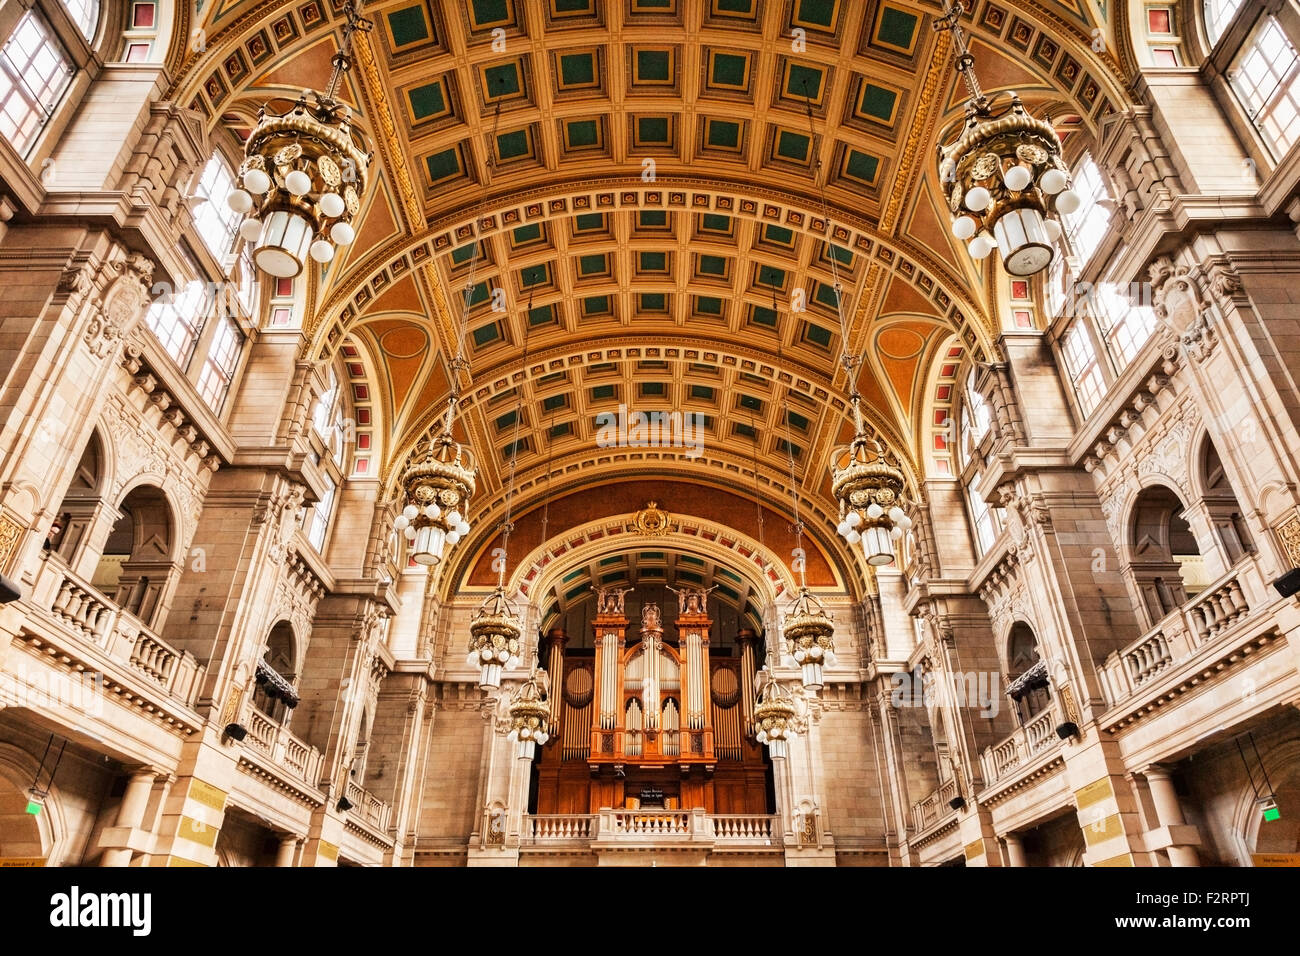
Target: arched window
x=986, y=520
x=222, y=359
x=1027, y=683
x=85, y=14
x=1087, y=225
x=1166, y=563
x=975, y=418
x=274, y=694
x=35, y=72
x=214, y=219
x=1218, y=14
x=1080, y=356
x=319, y=517
x=1224, y=512
x=1266, y=77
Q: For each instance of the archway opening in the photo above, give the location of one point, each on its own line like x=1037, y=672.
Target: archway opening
x=1026, y=673
x=136, y=562
x=1166, y=564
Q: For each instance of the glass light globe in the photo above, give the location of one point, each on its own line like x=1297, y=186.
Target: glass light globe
x=978, y=199
x=322, y=250
x=524, y=733
x=854, y=519
x=1052, y=182
x=761, y=736
x=256, y=181
x=342, y=233
x=963, y=228
x=453, y=537
x=799, y=656
x=1017, y=178
x=431, y=511
x=980, y=247
x=895, y=533
x=1068, y=202
x=512, y=736
x=453, y=518
x=815, y=652
x=240, y=201
x=1052, y=228
x=905, y=523
x=401, y=523
x=331, y=204
x=852, y=537
x=896, y=514
x=842, y=528
x=250, y=229
x=297, y=182
x=874, y=511
x=462, y=528
x=411, y=512
x=408, y=533
x=487, y=653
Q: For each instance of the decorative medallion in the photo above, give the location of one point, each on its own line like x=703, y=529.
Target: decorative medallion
x=651, y=521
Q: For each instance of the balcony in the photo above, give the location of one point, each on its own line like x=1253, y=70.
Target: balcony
x=1024, y=749
x=368, y=808
x=284, y=750
x=87, y=619
x=622, y=832
x=1216, y=611
x=929, y=811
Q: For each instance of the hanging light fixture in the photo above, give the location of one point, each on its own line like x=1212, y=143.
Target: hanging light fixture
x=304, y=173
x=1003, y=176
x=529, y=714
x=810, y=631
x=774, y=716
x=438, y=483
x=868, y=483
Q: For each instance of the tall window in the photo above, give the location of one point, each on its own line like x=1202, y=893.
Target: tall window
x=975, y=418
x=35, y=72
x=177, y=320
x=1125, y=325
x=219, y=366
x=1086, y=226
x=319, y=517
x=1082, y=366
x=215, y=220
x=1218, y=14
x=85, y=14
x=1267, y=78
x=987, y=526
x=328, y=420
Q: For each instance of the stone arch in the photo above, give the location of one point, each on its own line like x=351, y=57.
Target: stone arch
x=1161, y=554
x=1026, y=670
x=23, y=834
x=138, y=563
x=83, y=501
x=1282, y=764
x=282, y=654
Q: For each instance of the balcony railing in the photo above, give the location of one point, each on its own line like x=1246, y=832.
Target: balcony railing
x=283, y=748
x=366, y=806
x=651, y=826
x=76, y=606
x=933, y=808
x=1030, y=741
x=1213, y=612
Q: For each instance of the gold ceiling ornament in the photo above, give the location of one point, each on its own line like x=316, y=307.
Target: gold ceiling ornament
x=810, y=634
x=775, y=716
x=530, y=715
x=1003, y=176
x=651, y=521
x=304, y=173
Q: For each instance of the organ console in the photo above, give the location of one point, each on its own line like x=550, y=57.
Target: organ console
x=652, y=719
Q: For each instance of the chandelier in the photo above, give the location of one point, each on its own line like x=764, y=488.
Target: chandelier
x=868, y=483
x=495, y=638
x=437, y=483
x=810, y=633
x=304, y=174
x=774, y=716
x=529, y=715
x=1003, y=176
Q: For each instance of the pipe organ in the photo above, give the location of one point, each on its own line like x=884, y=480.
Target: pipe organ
x=651, y=720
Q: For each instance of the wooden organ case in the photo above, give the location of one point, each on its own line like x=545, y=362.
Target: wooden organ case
x=645, y=723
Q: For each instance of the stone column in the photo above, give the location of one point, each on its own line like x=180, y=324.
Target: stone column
x=287, y=852
x=1173, y=835
x=1015, y=849
x=130, y=820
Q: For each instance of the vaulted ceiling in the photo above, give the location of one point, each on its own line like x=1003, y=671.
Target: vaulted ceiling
x=656, y=187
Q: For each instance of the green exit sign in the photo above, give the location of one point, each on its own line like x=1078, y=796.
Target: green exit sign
x=1272, y=813
x=33, y=808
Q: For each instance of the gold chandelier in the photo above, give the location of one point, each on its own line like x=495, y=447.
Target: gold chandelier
x=774, y=716
x=304, y=174
x=530, y=715
x=495, y=638
x=868, y=484
x=810, y=633
x=437, y=483
x=1003, y=176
